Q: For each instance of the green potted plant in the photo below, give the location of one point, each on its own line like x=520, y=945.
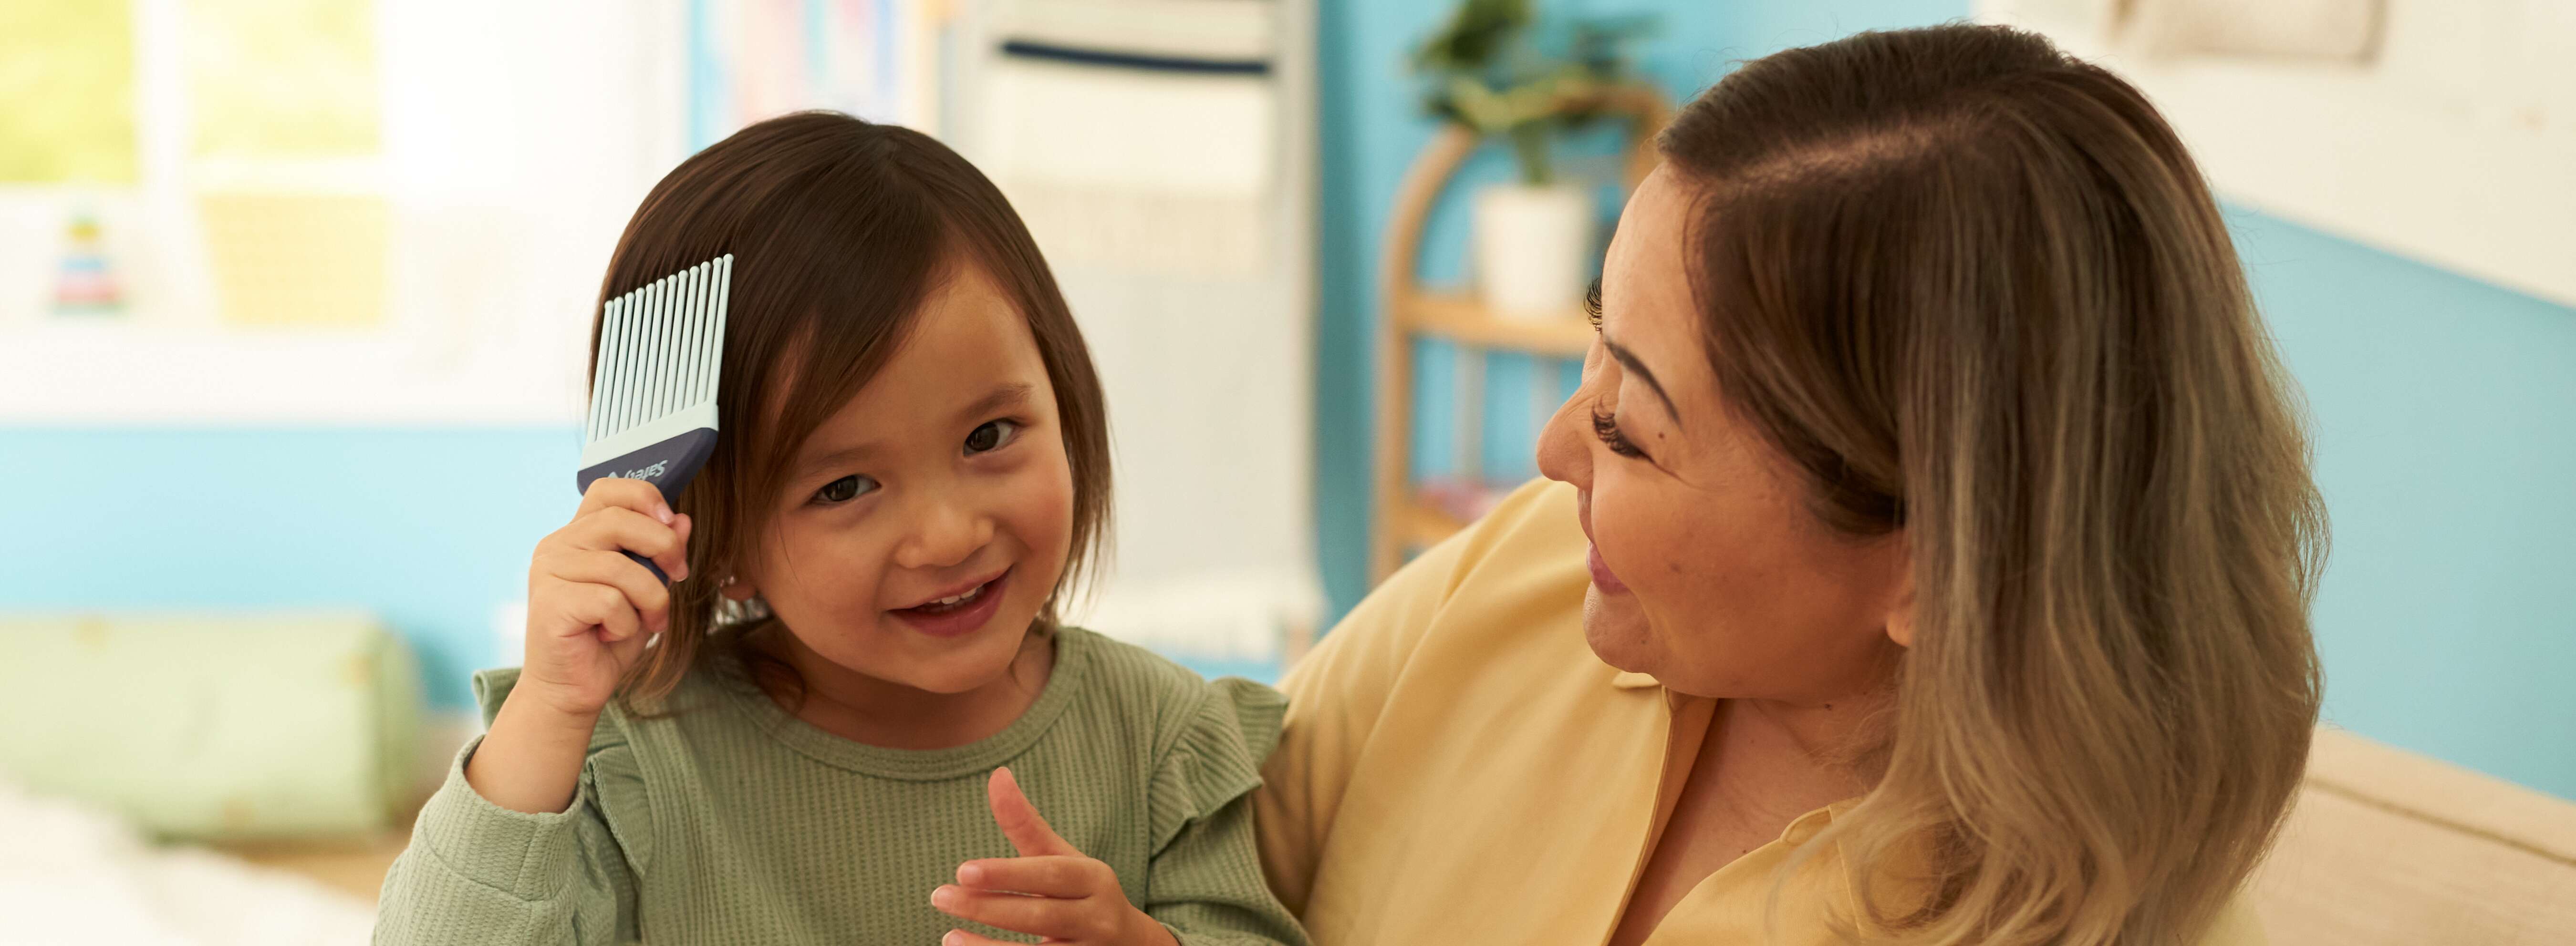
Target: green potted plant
x=1486, y=69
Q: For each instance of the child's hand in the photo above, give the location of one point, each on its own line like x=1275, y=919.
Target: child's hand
x=591, y=608
x=1050, y=890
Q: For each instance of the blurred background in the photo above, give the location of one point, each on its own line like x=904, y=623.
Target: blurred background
x=294, y=294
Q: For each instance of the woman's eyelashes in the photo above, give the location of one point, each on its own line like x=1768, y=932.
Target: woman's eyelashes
x=1592, y=304
x=991, y=436
x=1606, y=427
x=844, y=489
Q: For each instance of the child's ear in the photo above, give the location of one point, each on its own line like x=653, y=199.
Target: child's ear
x=737, y=589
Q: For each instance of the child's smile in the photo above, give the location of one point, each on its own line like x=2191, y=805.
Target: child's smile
x=951, y=615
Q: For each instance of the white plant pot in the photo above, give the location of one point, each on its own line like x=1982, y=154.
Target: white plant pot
x=1530, y=247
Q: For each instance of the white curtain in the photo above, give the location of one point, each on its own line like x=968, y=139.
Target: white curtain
x=1161, y=152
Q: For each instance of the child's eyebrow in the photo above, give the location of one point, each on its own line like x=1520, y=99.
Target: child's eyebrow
x=993, y=402
x=821, y=461
x=1006, y=396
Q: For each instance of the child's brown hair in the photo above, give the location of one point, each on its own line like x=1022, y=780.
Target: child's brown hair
x=840, y=229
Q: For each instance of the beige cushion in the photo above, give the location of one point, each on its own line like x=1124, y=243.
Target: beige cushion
x=2389, y=847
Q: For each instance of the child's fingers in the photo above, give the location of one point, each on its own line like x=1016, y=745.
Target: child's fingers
x=624, y=651
x=646, y=594
x=625, y=530
x=1019, y=820
x=587, y=606
x=963, y=938
x=678, y=566
x=640, y=496
x=1037, y=916
x=1059, y=876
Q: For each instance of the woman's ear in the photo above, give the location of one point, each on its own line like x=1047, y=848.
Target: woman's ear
x=737, y=589
x=1900, y=615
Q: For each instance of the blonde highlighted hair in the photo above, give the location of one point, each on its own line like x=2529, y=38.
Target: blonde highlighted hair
x=1976, y=290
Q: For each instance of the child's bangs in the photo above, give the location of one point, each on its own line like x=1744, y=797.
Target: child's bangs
x=818, y=351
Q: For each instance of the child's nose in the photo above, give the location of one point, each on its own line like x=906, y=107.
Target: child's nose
x=944, y=534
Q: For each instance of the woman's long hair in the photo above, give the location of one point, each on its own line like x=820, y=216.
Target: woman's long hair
x=1976, y=290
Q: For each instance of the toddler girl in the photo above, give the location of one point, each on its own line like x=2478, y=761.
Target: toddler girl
x=841, y=720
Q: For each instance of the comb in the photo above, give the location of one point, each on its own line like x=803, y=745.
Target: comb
x=653, y=386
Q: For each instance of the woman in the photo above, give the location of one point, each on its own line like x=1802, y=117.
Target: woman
x=1950, y=541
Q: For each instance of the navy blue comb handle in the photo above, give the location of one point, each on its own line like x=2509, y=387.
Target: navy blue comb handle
x=669, y=465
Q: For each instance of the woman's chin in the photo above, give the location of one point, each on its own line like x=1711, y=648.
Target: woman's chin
x=1617, y=631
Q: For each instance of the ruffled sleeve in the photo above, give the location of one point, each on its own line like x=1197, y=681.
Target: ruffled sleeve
x=1216, y=756
x=479, y=873
x=1206, y=884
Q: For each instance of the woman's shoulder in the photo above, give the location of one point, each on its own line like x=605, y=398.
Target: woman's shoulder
x=1531, y=540
x=2236, y=924
x=1509, y=586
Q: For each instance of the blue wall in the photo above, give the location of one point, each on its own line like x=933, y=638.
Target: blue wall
x=429, y=528
x=2444, y=412
x=2445, y=408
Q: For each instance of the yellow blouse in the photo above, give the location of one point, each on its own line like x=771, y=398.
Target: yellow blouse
x=1459, y=768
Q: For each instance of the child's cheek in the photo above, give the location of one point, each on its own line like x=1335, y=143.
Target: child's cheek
x=1043, y=510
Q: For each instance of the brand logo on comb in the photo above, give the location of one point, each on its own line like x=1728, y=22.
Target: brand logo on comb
x=658, y=468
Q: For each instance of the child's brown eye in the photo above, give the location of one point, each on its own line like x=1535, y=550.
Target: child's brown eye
x=844, y=489
x=991, y=436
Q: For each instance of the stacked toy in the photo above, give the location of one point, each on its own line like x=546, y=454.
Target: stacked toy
x=87, y=285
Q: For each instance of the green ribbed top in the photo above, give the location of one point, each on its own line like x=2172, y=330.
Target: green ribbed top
x=732, y=821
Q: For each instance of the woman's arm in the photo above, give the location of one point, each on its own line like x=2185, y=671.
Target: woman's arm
x=1334, y=696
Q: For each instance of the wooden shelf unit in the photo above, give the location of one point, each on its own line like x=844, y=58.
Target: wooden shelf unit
x=1401, y=520
x=1462, y=320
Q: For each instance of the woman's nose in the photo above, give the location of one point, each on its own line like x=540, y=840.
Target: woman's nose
x=944, y=533
x=1562, y=455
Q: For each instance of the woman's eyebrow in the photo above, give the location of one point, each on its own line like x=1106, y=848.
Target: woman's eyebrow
x=1628, y=360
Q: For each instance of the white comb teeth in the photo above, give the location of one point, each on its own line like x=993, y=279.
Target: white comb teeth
x=660, y=348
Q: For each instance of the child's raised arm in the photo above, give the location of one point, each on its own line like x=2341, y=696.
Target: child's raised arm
x=590, y=610
x=515, y=848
